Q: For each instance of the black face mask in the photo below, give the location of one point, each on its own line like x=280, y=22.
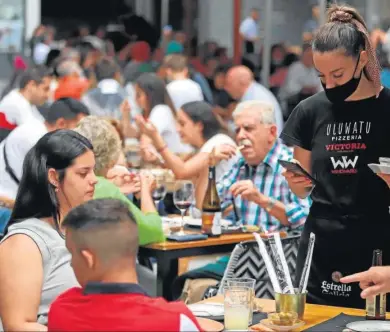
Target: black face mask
x=339, y=93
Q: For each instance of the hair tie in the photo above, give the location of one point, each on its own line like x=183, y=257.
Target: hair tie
x=341, y=16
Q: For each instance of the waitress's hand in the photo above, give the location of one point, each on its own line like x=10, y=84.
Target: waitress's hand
x=299, y=184
x=373, y=282
x=385, y=177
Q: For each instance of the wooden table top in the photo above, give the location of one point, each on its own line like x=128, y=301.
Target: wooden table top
x=211, y=241
x=314, y=314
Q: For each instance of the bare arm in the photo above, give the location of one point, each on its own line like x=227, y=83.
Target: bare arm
x=147, y=185
x=21, y=279
x=181, y=169
x=129, y=130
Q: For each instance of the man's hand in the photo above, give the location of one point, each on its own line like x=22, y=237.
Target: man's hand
x=373, y=282
x=248, y=191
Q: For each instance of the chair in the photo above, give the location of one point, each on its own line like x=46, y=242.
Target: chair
x=246, y=262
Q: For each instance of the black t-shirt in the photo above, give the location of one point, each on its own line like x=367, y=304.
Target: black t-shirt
x=343, y=139
x=350, y=211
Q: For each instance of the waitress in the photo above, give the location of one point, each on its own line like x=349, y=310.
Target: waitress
x=335, y=134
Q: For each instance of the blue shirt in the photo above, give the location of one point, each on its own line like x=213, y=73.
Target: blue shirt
x=256, y=91
x=268, y=178
x=385, y=77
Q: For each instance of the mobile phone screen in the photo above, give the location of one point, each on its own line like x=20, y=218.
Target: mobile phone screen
x=296, y=168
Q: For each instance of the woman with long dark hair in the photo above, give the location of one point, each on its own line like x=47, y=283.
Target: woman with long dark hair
x=58, y=174
x=336, y=134
x=197, y=126
x=153, y=99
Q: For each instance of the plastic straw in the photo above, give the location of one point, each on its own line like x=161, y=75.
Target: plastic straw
x=306, y=269
x=280, y=264
x=268, y=263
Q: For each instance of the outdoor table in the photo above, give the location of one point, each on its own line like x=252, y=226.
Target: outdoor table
x=314, y=314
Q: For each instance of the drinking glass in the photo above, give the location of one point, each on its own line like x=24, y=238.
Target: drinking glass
x=160, y=191
x=237, y=305
x=246, y=283
x=182, y=198
x=133, y=158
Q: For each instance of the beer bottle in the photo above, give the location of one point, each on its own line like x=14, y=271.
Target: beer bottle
x=376, y=305
x=211, y=208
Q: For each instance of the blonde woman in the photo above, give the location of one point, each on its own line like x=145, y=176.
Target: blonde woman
x=107, y=148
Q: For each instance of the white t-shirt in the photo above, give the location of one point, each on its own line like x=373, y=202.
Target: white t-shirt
x=40, y=53
x=184, y=91
x=18, y=110
x=298, y=77
x=163, y=119
x=17, y=144
x=249, y=28
x=224, y=165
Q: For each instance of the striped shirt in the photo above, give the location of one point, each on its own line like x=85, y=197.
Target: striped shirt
x=268, y=178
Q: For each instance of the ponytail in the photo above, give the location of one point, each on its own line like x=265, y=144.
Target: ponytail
x=346, y=29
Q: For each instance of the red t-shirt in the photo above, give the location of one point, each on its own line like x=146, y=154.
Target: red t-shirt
x=117, y=307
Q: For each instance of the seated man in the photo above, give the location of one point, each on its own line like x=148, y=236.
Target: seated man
x=102, y=238
x=255, y=185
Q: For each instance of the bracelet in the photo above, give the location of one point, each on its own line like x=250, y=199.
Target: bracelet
x=270, y=205
x=162, y=149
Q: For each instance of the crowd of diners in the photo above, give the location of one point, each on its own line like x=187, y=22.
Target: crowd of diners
x=74, y=212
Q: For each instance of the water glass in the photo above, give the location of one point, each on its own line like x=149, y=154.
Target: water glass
x=246, y=283
x=237, y=305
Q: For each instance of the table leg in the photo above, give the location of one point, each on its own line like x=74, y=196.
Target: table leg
x=167, y=270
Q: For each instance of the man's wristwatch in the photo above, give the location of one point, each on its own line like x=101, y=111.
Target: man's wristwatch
x=270, y=205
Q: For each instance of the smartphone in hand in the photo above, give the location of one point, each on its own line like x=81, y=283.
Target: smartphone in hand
x=295, y=168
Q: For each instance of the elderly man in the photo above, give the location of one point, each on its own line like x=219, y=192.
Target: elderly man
x=241, y=85
x=255, y=185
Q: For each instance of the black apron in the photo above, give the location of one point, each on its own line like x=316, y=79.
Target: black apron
x=343, y=246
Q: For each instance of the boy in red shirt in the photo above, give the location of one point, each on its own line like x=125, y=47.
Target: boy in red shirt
x=102, y=237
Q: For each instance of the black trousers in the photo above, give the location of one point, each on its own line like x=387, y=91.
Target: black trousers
x=249, y=47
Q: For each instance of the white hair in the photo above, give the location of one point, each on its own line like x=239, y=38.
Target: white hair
x=265, y=111
x=68, y=67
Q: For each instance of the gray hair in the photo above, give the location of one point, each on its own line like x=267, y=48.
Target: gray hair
x=68, y=67
x=70, y=54
x=105, y=140
x=265, y=111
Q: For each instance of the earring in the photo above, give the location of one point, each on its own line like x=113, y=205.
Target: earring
x=55, y=186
